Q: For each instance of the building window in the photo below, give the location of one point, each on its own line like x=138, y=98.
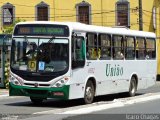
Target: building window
x=8, y=14
x=122, y=13
x=42, y=12
x=83, y=12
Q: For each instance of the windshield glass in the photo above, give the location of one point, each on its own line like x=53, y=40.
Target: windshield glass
x=40, y=54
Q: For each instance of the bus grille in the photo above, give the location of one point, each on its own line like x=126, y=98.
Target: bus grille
x=37, y=78
x=36, y=92
x=40, y=85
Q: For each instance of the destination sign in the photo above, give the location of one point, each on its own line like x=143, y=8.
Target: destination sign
x=42, y=30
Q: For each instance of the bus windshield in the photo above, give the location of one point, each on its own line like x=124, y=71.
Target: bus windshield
x=40, y=54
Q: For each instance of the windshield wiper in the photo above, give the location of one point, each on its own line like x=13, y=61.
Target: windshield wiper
x=26, y=40
x=51, y=39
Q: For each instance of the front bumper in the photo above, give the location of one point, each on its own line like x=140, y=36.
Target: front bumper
x=44, y=93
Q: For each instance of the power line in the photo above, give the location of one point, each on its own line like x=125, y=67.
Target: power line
x=22, y=5
x=104, y=11
x=73, y=15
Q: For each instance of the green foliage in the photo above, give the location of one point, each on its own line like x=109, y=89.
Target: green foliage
x=8, y=29
x=6, y=74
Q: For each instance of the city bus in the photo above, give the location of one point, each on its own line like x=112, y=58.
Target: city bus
x=70, y=60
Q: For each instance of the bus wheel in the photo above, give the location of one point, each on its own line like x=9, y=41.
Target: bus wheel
x=89, y=92
x=133, y=87
x=36, y=101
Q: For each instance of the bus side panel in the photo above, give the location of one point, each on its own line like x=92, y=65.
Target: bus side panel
x=146, y=73
x=112, y=76
x=151, y=72
x=76, y=91
x=77, y=83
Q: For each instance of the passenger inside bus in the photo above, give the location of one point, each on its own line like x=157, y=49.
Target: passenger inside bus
x=32, y=47
x=105, y=53
x=92, y=53
x=119, y=55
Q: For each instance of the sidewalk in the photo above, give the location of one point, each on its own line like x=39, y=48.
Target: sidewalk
x=4, y=92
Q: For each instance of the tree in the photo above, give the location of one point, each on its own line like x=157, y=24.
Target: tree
x=9, y=29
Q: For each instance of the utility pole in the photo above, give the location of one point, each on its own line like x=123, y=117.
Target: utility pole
x=102, y=12
x=140, y=16
x=54, y=10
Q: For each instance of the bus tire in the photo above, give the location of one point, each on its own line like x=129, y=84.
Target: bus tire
x=132, y=87
x=89, y=92
x=36, y=101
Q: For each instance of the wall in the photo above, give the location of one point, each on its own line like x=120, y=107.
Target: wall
x=103, y=11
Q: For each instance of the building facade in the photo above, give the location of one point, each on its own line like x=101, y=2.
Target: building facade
x=95, y=12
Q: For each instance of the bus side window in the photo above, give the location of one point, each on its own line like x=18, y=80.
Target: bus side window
x=91, y=48
x=117, y=48
x=140, y=48
x=78, y=52
x=150, y=48
x=80, y=49
x=129, y=48
x=104, y=46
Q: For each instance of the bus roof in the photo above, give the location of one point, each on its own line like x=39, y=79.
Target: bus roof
x=100, y=29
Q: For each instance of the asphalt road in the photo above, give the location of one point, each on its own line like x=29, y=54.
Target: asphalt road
x=153, y=89
x=23, y=108
x=151, y=107
x=140, y=111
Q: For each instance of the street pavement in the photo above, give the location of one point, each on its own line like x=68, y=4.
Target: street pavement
x=4, y=92
x=21, y=107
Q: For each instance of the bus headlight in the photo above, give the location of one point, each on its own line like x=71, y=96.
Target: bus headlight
x=15, y=80
x=61, y=82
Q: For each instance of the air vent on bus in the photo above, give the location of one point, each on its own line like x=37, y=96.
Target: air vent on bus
x=40, y=85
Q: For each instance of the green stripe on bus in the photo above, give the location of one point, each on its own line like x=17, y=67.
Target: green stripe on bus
x=38, y=92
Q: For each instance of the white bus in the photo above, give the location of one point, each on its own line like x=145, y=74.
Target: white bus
x=68, y=60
